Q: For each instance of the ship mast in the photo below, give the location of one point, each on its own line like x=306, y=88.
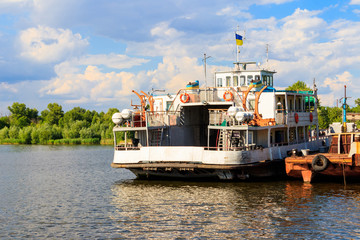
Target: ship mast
x=205, y=57
x=344, y=109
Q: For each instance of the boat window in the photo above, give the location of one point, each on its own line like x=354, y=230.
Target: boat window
x=242, y=80
x=235, y=81
x=250, y=137
x=168, y=104
x=271, y=81
x=249, y=79
x=219, y=82
x=228, y=81
x=265, y=80
x=257, y=78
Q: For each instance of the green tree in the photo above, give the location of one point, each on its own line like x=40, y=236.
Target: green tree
x=22, y=116
x=4, y=122
x=299, y=86
x=53, y=114
x=77, y=113
x=357, y=102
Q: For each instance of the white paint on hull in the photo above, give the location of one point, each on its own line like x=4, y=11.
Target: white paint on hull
x=200, y=155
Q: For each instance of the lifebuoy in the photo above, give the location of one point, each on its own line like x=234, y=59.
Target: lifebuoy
x=187, y=98
x=311, y=117
x=319, y=163
x=228, y=98
x=296, y=116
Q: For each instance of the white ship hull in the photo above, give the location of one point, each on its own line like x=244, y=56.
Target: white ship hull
x=198, y=162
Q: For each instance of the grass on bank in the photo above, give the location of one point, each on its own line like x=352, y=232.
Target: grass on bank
x=74, y=141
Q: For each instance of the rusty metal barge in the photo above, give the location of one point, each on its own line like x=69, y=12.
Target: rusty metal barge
x=341, y=161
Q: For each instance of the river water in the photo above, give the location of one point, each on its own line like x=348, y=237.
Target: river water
x=71, y=192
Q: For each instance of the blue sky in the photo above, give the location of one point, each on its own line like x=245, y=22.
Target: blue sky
x=91, y=53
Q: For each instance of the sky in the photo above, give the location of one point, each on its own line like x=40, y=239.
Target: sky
x=92, y=54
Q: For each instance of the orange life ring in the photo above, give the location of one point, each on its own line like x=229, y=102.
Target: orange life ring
x=228, y=98
x=187, y=98
x=311, y=117
x=296, y=117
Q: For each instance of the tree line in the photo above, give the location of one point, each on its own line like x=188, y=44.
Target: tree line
x=54, y=126
x=80, y=126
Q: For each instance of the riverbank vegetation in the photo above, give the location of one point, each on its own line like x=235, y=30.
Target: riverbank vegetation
x=54, y=126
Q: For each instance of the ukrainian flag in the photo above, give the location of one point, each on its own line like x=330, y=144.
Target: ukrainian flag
x=239, y=39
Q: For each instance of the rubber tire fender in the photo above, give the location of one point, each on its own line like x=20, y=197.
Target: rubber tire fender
x=319, y=163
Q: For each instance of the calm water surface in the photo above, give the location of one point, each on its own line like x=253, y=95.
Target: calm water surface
x=71, y=192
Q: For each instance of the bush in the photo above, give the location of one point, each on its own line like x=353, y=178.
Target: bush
x=56, y=132
x=44, y=133
x=86, y=133
x=25, y=135
x=10, y=141
x=14, y=132
x=35, y=136
x=4, y=133
x=90, y=141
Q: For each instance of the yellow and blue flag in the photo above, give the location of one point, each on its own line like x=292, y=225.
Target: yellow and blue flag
x=239, y=39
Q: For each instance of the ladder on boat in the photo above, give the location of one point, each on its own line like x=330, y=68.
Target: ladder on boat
x=222, y=143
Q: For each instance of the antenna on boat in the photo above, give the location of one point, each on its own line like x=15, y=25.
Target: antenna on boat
x=205, y=57
x=204, y=60
x=344, y=109
x=267, y=56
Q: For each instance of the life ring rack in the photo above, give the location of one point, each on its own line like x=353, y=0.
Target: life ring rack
x=186, y=99
x=228, y=96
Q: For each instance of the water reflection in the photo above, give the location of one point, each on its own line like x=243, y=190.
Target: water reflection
x=220, y=210
x=65, y=192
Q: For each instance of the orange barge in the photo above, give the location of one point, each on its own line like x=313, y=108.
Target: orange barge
x=342, y=160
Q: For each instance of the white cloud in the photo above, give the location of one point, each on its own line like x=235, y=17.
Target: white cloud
x=264, y=2
x=6, y=87
x=356, y=11
x=339, y=81
x=354, y=2
x=44, y=44
x=111, y=60
x=92, y=83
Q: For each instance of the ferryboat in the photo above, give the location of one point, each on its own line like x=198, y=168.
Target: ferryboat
x=240, y=128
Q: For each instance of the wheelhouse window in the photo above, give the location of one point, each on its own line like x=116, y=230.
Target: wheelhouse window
x=270, y=81
x=250, y=78
x=242, y=80
x=219, y=82
x=228, y=81
x=265, y=79
x=235, y=81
